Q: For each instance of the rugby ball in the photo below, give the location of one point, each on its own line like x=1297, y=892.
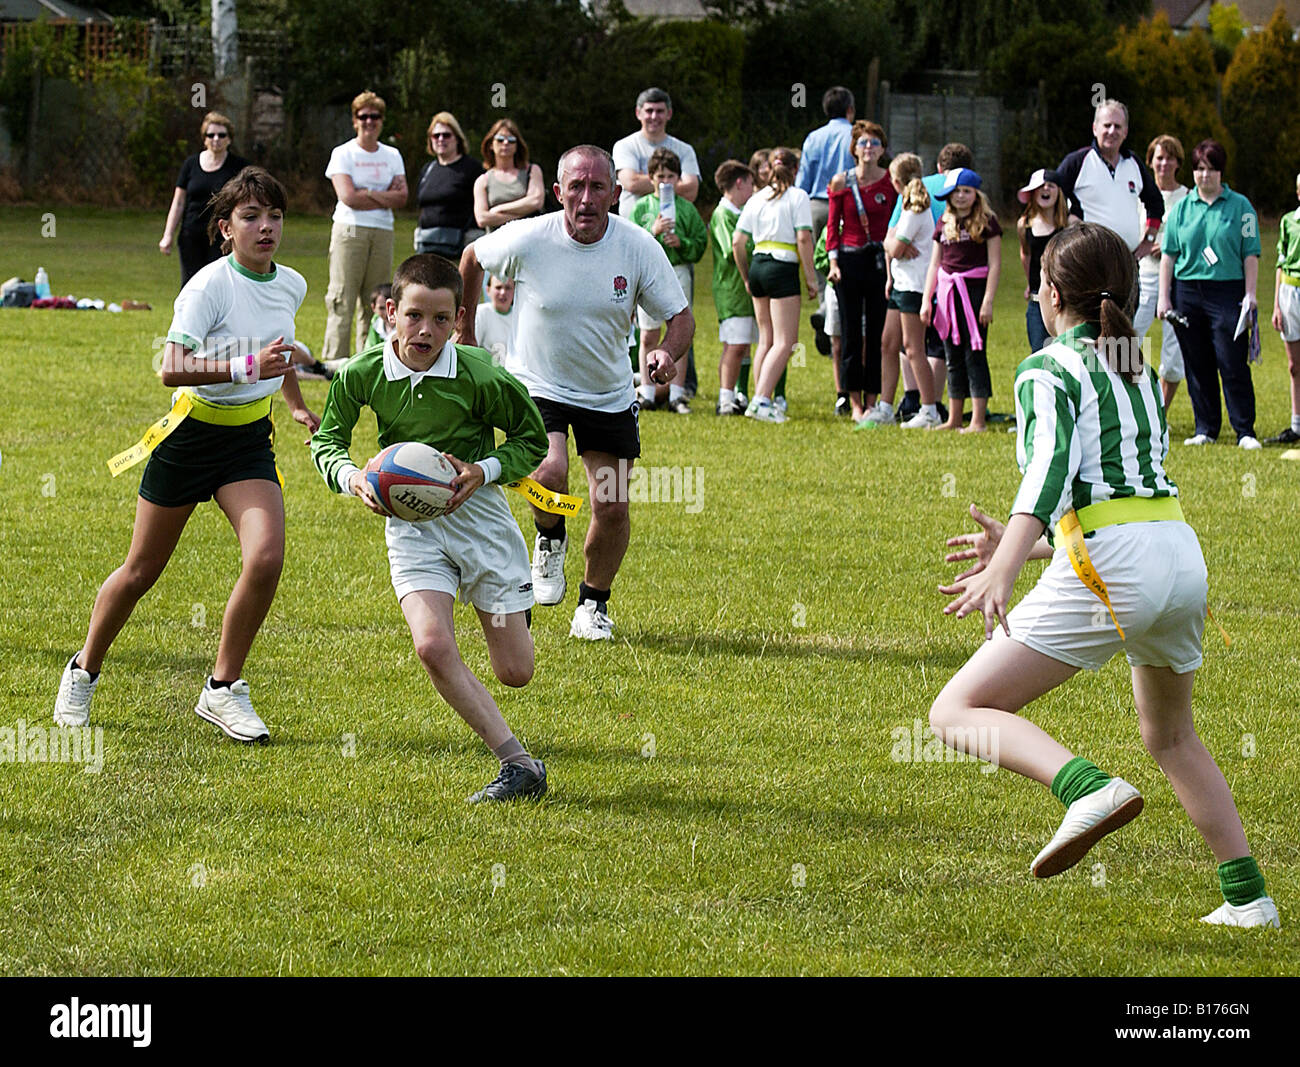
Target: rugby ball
x=411, y=480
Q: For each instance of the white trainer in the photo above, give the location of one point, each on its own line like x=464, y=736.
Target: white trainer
x=1249, y=443
x=763, y=410
x=1086, y=822
x=72, y=705
x=548, y=569
x=923, y=420
x=1199, y=439
x=232, y=710
x=782, y=405
x=591, y=623
x=1261, y=912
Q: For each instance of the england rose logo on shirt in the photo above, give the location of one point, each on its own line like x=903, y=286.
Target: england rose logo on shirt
x=620, y=287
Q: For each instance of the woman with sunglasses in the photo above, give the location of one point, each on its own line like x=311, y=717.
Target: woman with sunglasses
x=201, y=176
x=445, y=191
x=369, y=179
x=861, y=201
x=511, y=188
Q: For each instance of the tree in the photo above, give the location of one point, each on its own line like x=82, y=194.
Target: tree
x=1169, y=84
x=1260, y=89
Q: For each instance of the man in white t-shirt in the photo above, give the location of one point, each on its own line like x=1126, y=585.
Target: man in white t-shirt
x=583, y=273
x=632, y=153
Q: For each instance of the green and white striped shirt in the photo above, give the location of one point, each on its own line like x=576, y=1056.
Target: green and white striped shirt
x=1084, y=432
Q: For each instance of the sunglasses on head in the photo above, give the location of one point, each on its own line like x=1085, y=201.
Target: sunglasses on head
x=370, y=116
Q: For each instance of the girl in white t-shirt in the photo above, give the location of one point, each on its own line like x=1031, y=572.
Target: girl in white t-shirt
x=907, y=282
x=369, y=179
x=779, y=219
x=218, y=445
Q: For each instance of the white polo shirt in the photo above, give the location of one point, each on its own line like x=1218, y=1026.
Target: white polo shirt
x=1112, y=200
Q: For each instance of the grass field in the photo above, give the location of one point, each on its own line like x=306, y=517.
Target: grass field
x=724, y=797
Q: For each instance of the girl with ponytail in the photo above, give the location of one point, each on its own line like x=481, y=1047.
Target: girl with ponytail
x=1091, y=442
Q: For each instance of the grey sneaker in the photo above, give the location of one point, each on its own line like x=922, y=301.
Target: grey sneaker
x=515, y=782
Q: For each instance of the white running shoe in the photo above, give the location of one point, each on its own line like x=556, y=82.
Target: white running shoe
x=923, y=420
x=548, y=569
x=591, y=623
x=763, y=410
x=1199, y=439
x=1086, y=822
x=232, y=710
x=1261, y=912
x=782, y=405
x=1249, y=443
x=72, y=706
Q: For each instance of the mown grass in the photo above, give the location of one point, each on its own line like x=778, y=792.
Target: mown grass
x=770, y=640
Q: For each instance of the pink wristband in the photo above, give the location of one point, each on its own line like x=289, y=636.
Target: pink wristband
x=244, y=370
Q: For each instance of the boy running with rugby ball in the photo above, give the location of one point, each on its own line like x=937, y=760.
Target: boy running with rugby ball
x=424, y=388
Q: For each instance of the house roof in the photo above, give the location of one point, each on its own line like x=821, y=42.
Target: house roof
x=31, y=10
x=1186, y=13
x=657, y=9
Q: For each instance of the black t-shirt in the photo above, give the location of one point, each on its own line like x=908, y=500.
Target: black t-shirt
x=200, y=186
x=446, y=193
x=1036, y=246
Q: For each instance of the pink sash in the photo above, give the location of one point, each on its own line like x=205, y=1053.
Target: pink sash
x=952, y=286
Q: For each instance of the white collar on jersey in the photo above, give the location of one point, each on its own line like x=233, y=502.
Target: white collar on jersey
x=395, y=370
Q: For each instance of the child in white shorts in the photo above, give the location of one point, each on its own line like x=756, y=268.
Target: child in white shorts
x=1127, y=572
x=423, y=388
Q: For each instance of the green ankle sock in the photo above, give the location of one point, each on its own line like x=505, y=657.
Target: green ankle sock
x=1241, y=881
x=1078, y=778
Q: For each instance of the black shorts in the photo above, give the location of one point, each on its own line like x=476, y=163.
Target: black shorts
x=198, y=458
x=773, y=278
x=615, y=432
x=909, y=303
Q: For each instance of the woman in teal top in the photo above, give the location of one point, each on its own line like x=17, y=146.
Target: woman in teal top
x=1209, y=268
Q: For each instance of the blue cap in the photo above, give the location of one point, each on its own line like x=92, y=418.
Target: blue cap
x=954, y=178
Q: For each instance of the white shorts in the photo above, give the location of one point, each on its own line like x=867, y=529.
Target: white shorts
x=738, y=330
x=832, y=312
x=683, y=272
x=1171, y=356
x=1288, y=299
x=1156, y=577
x=477, y=550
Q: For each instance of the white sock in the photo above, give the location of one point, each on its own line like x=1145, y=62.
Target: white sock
x=647, y=393
x=675, y=392
x=886, y=407
x=930, y=409
x=1295, y=423
x=726, y=397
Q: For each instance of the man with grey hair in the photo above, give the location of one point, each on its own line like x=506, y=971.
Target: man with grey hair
x=583, y=273
x=1107, y=184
